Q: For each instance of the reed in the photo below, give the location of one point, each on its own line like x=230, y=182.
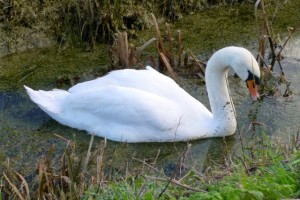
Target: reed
x=268, y=41
x=68, y=181
x=125, y=55
x=266, y=169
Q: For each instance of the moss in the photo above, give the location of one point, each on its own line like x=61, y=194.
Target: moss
x=226, y=25
x=45, y=67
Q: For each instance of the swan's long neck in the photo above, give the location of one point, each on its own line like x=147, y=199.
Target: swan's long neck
x=224, y=122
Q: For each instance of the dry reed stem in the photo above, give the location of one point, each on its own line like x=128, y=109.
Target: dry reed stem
x=152, y=61
x=126, y=54
x=122, y=49
x=291, y=31
x=131, y=59
x=126, y=48
x=88, y=153
x=100, y=162
x=162, y=52
x=158, y=34
x=180, y=46
x=186, y=59
x=266, y=23
x=24, y=183
x=144, y=46
x=61, y=137
x=261, y=50
x=170, y=53
x=86, y=161
x=267, y=27
x=199, y=63
x=15, y=189
x=170, y=69
x=141, y=48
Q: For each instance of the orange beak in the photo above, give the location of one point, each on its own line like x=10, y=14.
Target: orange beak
x=253, y=88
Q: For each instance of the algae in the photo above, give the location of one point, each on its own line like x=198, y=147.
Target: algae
x=51, y=67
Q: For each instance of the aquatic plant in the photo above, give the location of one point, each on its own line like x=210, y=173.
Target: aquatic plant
x=170, y=52
x=270, y=53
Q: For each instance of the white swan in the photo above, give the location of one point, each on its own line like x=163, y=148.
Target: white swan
x=146, y=106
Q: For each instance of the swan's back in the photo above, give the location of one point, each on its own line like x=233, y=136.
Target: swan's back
x=146, y=80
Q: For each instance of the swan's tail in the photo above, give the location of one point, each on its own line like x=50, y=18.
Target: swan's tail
x=48, y=101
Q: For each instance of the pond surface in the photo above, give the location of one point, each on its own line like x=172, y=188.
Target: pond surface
x=27, y=133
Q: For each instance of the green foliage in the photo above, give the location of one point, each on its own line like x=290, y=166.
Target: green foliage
x=272, y=172
x=133, y=188
x=213, y=195
x=273, y=176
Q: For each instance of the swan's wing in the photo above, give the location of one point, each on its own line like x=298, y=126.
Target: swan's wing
x=147, y=80
x=121, y=113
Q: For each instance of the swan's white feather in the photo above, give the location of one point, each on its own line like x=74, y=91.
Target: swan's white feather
x=123, y=106
x=146, y=106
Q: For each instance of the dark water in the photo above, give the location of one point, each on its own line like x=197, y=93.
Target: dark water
x=27, y=133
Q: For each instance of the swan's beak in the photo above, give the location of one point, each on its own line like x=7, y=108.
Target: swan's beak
x=253, y=88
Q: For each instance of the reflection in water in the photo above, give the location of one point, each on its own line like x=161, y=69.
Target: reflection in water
x=27, y=132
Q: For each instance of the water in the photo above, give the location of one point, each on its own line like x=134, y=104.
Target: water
x=27, y=133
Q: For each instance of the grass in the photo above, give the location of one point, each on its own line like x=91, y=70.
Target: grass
x=272, y=174
x=266, y=170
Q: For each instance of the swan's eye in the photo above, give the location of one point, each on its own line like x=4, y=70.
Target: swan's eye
x=253, y=78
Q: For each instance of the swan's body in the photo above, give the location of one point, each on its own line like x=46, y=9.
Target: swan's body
x=145, y=106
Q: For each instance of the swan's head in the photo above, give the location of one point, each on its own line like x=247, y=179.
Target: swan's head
x=246, y=67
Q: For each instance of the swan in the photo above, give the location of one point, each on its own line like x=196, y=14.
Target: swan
x=133, y=106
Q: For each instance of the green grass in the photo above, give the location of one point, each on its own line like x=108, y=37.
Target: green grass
x=270, y=175
x=269, y=171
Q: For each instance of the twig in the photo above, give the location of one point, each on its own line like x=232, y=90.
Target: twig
x=155, y=169
x=158, y=153
x=199, y=63
x=178, y=167
x=245, y=165
x=177, y=183
x=290, y=30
